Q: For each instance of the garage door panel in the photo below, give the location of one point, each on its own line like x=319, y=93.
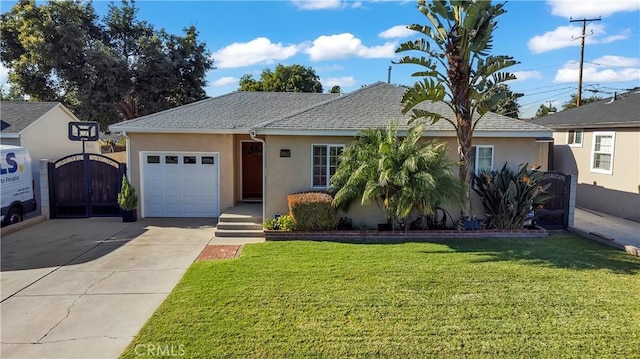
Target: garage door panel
x=180, y=185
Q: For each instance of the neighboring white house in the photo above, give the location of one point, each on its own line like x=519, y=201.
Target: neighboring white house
x=600, y=144
x=41, y=127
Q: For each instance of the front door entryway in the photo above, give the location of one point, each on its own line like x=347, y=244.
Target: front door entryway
x=251, y=171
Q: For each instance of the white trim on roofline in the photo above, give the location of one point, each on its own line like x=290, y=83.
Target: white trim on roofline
x=507, y=134
x=10, y=135
x=350, y=133
x=232, y=131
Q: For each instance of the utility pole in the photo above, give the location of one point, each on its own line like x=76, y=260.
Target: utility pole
x=584, y=28
x=389, y=75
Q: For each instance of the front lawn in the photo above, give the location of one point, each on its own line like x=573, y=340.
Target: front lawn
x=556, y=297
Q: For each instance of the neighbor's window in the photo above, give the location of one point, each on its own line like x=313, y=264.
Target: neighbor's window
x=602, y=153
x=481, y=159
x=325, y=160
x=574, y=138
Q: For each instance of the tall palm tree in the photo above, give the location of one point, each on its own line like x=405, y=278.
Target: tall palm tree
x=458, y=71
x=405, y=173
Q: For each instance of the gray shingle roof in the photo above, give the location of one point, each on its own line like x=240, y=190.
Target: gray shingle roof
x=236, y=110
x=623, y=112
x=373, y=106
x=17, y=115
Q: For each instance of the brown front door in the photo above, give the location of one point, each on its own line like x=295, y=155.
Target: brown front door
x=251, y=171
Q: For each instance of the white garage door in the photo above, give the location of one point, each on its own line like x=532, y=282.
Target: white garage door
x=180, y=184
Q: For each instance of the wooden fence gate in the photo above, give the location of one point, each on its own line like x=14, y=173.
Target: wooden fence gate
x=555, y=214
x=85, y=185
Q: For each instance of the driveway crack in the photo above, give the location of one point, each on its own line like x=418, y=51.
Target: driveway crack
x=71, y=306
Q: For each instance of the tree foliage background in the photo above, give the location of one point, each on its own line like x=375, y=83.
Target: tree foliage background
x=106, y=70
x=292, y=78
x=507, y=105
x=572, y=102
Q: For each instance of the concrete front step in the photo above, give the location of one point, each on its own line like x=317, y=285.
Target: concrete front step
x=239, y=226
x=252, y=233
x=226, y=217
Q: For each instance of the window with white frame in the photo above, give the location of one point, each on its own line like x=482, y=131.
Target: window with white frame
x=481, y=159
x=324, y=162
x=602, y=152
x=574, y=138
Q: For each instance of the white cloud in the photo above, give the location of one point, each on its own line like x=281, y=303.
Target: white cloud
x=346, y=45
x=596, y=73
x=567, y=36
x=591, y=8
x=526, y=75
x=325, y=4
x=256, y=51
x=344, y=81
x=396, y=32
x=224, y=81
x=617, y=61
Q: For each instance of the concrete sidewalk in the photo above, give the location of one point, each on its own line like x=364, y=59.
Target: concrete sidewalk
x=614, y=231
x=83, y=288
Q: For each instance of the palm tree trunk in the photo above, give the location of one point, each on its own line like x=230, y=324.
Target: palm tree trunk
x=464, y=154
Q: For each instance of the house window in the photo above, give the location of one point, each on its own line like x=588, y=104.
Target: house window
x=574, y=138
x=325, y=159
x=153, y=159
x=481, y=159
x=208, y=160
x=170, y=160
x=602, y=152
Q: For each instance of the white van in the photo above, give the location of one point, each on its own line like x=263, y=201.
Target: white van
x=17, y=185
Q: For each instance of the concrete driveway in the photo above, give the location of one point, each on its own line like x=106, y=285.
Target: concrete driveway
x=82, y=288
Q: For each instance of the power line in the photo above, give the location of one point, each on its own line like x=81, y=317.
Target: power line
x=554, y=90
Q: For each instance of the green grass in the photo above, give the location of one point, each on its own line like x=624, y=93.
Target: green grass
x=556, y=297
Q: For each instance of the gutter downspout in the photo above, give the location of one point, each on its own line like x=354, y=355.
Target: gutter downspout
x=253, y=135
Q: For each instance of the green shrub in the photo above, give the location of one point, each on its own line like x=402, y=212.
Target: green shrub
x=270, y=224
x=312, y=211
x=508, y=196
x=285, y=223
x=127, y=198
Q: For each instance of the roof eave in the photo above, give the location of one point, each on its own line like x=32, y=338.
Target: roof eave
x=115, y=128
x=594, y=125
x=428, y=133
x=10, y=135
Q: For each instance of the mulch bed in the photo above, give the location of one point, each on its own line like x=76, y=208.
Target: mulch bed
x=219, y=251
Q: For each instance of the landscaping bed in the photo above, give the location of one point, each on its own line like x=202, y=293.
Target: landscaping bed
x=399, y=235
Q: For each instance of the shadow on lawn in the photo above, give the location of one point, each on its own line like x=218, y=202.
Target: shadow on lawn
x=561, y=251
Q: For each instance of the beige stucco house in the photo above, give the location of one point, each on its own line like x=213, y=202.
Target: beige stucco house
x=202, y=158
x=41, y=127
x=600, y=144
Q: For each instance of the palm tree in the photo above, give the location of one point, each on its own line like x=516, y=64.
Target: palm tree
x=404, y=173
x=458, y=71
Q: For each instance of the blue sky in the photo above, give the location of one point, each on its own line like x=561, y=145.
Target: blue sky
x=352, y=43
